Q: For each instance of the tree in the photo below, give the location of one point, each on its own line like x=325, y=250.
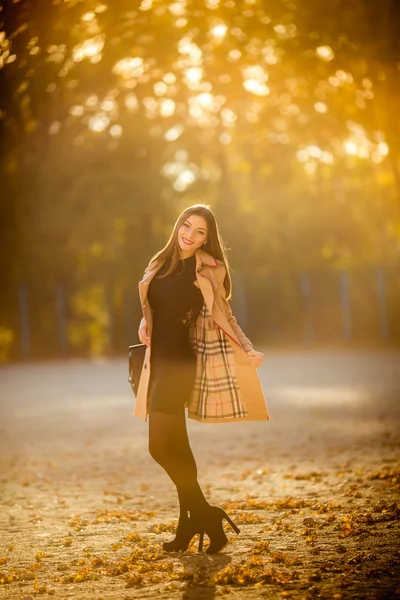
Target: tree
x=278, y=114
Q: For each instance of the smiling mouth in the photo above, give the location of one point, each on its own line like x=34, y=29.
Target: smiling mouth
x=187, y=242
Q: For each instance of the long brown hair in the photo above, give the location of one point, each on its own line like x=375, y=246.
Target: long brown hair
x=214, y=245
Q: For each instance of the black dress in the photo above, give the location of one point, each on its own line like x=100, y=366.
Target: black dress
x=175, y=302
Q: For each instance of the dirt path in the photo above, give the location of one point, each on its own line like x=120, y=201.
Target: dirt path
x=84, y=509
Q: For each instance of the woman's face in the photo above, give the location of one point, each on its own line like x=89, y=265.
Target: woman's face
x=191, y=235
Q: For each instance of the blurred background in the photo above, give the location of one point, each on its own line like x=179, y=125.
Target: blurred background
x=281, y=114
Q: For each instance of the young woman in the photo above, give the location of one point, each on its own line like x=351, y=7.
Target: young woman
x=198, y=358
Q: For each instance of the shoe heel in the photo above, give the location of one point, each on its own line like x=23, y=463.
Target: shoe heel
x=232, y=524
x=201, y=541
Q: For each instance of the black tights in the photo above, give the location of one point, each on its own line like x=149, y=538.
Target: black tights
x=169, y=446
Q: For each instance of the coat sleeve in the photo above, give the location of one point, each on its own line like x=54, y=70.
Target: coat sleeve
x=244, y=341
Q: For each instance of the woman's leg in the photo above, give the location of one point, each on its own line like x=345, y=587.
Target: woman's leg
x=170, y=448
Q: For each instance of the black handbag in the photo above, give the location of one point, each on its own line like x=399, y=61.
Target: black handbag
x=136, y=359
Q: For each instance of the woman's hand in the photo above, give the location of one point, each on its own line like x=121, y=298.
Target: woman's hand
x=144, y=332
x=255, y=358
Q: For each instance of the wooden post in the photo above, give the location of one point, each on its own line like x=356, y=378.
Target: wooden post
x=61, y=307
x=111, y=320
x=382, y=306
x=308, y=325
x=130, y=334
x=24, y=322
x=345, y=305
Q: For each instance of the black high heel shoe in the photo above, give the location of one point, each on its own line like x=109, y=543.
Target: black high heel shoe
x=186, y=530
x=213, y=526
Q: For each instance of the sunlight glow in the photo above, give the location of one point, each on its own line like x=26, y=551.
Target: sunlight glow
x=174, y=133
x=234, y=55
x=131, y=102
x=219, y=31
x=92, y=100
x=202, y=107
x=88, y=49
x=76, y=111
x=186, y=46
x=160, y=88
x=182, y=174
x=383, y=149
x=167, y=107
x=169, y=78
x=311, y=155
x=270, y=54
x=146, y=5
x=351, y=148
x=310, y=167
x=56, y=53
x=334, y=81
x=181, y=22
x=54, y=128
x=225, y=138
x=344, y=77
x=129, y=67
x=151, y=105
x=193, y=74
x=320, y=107
x=327, y=158
x=215, y=53
x=229, y=117
x=325, y=52
x=98, y=122
x=89, y=16
x=178, y=8
x=358, y=144
x=184, y=179
x=256, y=87
x=108, y=105
x=205, y=100
x=285, y=32
x=116, y=131
x=255, y=80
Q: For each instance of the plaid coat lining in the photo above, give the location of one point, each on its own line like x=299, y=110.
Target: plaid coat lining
x=216, y=393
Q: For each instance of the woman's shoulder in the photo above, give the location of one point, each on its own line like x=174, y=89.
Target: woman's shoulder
x=220, y=271
x=217, y=267
x=207, y=260
x=152, y=265
x=214, y=269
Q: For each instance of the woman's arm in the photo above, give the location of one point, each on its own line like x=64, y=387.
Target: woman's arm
x=244, y=341
x=143, y=332
x=255, y=357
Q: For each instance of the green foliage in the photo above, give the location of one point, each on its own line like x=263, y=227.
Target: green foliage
x=89, y=323
x=7, y=338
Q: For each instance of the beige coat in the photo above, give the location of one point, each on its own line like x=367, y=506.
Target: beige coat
x=210, y=274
